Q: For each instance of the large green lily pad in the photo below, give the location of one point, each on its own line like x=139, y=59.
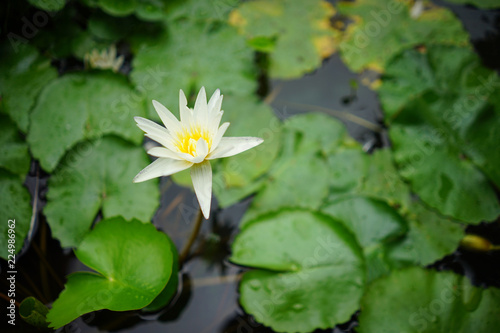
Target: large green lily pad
x=309, y=271
x=15, y=205
x=296, y=34
x=420, y=300
x=430, y=238
x=431, y=158
x=175, y=61
x=133, y=263
x=97, y=176
x=82, y=106
x=23, y=73
x=382, y=29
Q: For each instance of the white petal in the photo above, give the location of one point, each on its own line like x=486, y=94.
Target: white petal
x=201, y=174
x=218, y=136
x=164, y=140
x=213, y=101
x=164, y=152
x=151, y=127
x=201, y=150
x=231, y=146
x=161, y=167
x=200, y=108
x=171, y=123
x=185, y=112
x=215, y=121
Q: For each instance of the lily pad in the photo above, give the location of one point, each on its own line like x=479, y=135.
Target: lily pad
x=309, y=271
x=174, y=61
x=430, y=238
x=114, y=249
x=15, y=206
x=97, y=176
x=432, y=159
x=34, y=312
x=296, y=34
x=82, y=106
x=421, y=300
x=14, y=155
x=48, y=5
x=24, y=72
x=487, y=4
x=382, y=181
x=446, y=70
x=201, y=10
x=382, y=29
x=372, y=221
x=299, y=181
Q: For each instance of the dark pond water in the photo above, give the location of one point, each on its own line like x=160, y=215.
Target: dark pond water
x=207, y=300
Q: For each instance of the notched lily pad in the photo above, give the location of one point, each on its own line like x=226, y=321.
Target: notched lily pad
x=309, y=271
x=114, y=249
x=82, y=106
x=421, y=300
x=97, y=176
x=381, y=29
x=24, y=72
x=296, y=34
x=14, y=206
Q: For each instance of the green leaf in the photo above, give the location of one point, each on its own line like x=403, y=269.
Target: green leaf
x=48, y=5
x=299, y=32
x=431, y=159
x=23, y=74
x=486, y=4
x=430, y=238
x=239, y=173
x=33, y=312
x=14, y=155
x=82, y=106
x=310, y=271
x=382, y=29
x=299, y=181
x=114, y=249
x=201, y=10
x=420, y=300
x=15, y=206
x=446, y=70
x=372, y=221
x=98, y=176
x=171, y=288
x=383, y=182
x=187, y=68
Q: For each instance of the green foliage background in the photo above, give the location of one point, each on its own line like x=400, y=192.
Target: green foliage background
x=383, y=216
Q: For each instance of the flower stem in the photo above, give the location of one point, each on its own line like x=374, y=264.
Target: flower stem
x=192, y=238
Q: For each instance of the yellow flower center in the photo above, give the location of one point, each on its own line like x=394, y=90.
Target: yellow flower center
x=186, y=140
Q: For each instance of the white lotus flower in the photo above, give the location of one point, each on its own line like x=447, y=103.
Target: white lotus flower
x=191, y=143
